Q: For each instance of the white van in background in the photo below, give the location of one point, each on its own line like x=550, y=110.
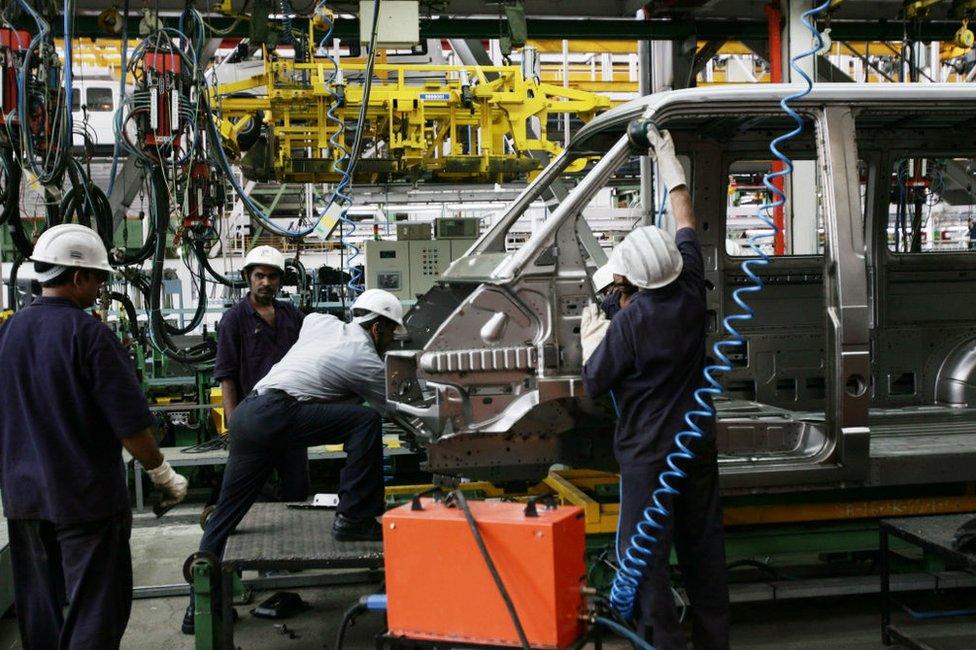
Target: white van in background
x=95, y=99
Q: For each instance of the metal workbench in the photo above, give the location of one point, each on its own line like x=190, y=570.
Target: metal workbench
x=933, y=535
x=274, y=536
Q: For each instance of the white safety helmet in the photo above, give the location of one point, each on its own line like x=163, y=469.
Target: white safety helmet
x=602, y=278
x=378, y=303
x=648, y=257
x=264, y=256
x=69, y=245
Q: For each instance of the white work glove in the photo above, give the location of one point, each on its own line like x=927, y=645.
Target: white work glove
x=593, y=327
x=169, y=482
x=668, y=166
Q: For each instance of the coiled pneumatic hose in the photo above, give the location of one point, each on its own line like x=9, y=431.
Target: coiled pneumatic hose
x=634, y=560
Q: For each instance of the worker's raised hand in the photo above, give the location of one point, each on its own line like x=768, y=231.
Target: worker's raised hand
x=171, y=484
x=670, y=169
x=593, y=327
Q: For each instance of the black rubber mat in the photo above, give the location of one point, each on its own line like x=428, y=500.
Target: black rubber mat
x=274, y=535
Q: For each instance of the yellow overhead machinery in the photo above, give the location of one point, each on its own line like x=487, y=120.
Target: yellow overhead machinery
x=433, y=122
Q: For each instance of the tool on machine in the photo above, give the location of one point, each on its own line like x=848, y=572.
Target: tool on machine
x=634, y=559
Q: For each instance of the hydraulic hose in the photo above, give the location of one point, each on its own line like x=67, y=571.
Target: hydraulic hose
x=12, y=302
x=634, y=560
x=10, y=194
x=124, y=66
x=89, y=204
x=130, y=314
x=625, y=632
x=201, y=310
x=47, y=172
x=215, y=274
x=159, y=329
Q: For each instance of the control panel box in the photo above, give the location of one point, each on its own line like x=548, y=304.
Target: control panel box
x=413, y=231
x=428, y=260
x=388, y=267
x=457, y=228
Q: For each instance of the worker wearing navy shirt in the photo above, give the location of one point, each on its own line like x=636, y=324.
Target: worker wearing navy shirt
x=71, y=403
x=254, y=335
x=651, y=355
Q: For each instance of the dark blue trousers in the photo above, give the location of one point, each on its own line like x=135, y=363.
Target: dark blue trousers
x=266, y=429
x=89, y=563
x=695, y=529
x=292, y=468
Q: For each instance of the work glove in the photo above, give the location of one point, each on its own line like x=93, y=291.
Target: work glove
x=171, y=484
x=670, y=169
x=593, y=327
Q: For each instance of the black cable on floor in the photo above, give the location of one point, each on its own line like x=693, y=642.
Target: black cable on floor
x=347, y=620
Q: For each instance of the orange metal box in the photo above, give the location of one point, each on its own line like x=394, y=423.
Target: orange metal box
x=439, y=588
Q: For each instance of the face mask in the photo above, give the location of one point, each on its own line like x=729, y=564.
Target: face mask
x=611, y=304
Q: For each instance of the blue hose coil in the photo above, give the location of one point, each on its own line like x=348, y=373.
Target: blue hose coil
x=634, y=561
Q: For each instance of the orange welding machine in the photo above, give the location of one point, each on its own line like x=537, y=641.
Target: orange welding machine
x=439, y=585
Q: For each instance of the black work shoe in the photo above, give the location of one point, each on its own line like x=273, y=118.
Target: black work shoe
x=345, y=529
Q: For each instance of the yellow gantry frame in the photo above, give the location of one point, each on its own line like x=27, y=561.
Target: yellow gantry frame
x=415, y=110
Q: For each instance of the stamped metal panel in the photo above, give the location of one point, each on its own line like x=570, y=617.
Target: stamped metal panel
x=845, y=282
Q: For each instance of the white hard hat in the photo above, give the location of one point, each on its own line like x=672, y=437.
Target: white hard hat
x=378, y=303
x=265, y=256
x=602, y=277
x=648, y=257
x=70, y=245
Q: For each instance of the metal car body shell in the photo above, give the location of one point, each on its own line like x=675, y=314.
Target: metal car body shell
x=490, y=374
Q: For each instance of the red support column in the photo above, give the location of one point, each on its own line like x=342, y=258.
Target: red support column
x=774, y=18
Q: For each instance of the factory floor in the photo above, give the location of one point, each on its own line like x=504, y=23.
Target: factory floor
x=159, y=548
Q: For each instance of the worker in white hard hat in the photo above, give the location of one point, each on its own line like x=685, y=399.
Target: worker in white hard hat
x=315, y=396
x=255, y=334
x=651, y=356
x=71, y=402
x=252, y=336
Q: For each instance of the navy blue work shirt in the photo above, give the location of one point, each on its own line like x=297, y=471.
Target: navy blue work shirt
x=247, y=346
x=652, y=359
x=70, y=394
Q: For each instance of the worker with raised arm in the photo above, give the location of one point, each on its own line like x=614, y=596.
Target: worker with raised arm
x=315, y=396
x=651, y=356
x=71, y=402
x=254, y=335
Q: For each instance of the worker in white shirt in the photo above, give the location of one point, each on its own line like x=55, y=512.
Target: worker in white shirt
x=315, y=396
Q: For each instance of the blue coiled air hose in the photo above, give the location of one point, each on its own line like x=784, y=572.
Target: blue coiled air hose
x=634, y=560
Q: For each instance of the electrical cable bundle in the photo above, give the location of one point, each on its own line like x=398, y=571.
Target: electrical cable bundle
x=35, y=89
